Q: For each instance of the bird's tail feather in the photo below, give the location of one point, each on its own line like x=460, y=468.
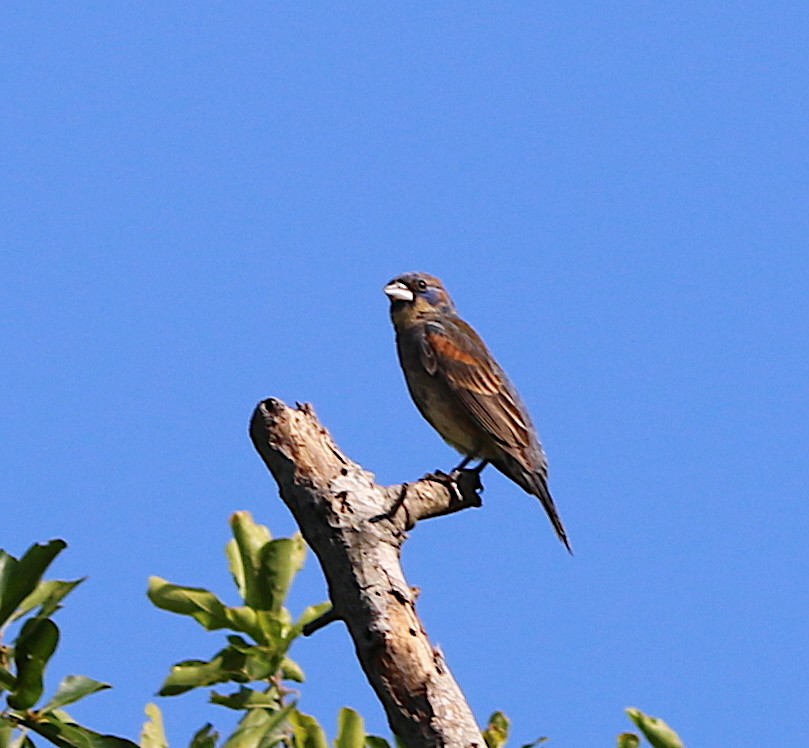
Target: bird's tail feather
x=535, y=483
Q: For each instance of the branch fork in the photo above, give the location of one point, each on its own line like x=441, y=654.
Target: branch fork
x=356, y=528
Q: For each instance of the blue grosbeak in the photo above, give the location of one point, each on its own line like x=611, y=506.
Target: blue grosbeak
x=462, y=391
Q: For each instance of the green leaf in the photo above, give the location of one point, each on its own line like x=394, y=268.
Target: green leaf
x=47, y=594
x=18, y=579
x=6, y=730
x=350, y=730
x=153, y=734
x=374, y=741
x=291, y=670
x=258, y=725
x=7, y=681
x=628, y=740
x=308, y=732
x=67, y=734
x=8, y=565
x=236, y=566
x=276, y=628
x=260, y=664
x=34, y=647
x=496, y=732
x=657, y=732
x=230, y=664
x=247, y=698
x=194, y=673
x=205, y=737
x=71, y=689
x=204, y=607
x=245, y=562
x=239, y=643
x=248, y=621
x=281, y=560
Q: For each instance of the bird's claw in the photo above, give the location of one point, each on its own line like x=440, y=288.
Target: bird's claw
x=469, y=484
x=461, y=483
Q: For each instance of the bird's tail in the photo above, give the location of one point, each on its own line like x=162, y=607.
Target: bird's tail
x=535, y=483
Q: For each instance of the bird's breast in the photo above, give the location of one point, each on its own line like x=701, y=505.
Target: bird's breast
x=438, y=403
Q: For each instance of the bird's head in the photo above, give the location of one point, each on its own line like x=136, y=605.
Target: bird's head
x=414, y=295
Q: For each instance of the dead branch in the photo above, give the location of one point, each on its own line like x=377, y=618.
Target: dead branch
x=356, y=529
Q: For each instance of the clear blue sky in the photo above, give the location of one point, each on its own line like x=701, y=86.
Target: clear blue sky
x=201, y=204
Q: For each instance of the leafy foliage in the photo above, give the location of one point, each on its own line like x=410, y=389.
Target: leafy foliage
x=263, y=628
x=656, y=731
x=254, y=660
x=30, y=602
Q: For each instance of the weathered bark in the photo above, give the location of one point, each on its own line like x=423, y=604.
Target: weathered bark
x=356, y=529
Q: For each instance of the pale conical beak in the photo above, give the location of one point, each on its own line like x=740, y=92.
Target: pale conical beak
x=398, y=291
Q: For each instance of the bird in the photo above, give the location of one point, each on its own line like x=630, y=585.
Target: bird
x=461, y=390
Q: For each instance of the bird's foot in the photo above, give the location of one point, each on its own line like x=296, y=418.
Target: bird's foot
x=464, y=489
x=463, y=484
x=470, y=486
x=449, y=480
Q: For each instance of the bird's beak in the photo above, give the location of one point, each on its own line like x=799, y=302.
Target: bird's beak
x=398, y=291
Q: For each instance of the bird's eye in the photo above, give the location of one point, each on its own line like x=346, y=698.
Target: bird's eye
x=422, y=285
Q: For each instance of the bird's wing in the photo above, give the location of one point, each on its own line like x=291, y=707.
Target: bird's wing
x=456, y=353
